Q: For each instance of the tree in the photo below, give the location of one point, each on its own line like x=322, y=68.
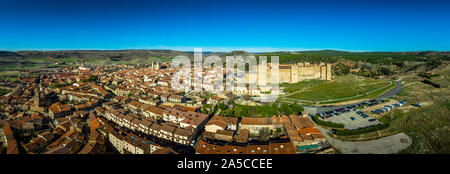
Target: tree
x=275, y=109
x=297, y=109
x=341, y=69
x=385, y=71
x=204, y=111
x=90, y=79
x=286, y=109
x=243, y=112
x=222, y=106
x=264, y=134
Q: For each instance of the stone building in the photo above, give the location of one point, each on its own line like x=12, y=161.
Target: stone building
x=293, y=73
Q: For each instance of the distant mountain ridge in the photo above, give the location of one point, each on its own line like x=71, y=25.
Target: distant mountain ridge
x=166, y=55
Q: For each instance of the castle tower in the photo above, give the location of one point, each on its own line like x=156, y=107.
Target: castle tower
x=294, y=73
x=323, y=73
x=36, y=98
x=328, y=71
x=153, y=65
x=157, y=66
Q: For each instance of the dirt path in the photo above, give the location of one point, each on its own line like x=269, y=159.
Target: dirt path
x=347, y=102
x=304, y=89
x=386, y=145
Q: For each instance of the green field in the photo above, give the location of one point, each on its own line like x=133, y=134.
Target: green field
x=9, y=75
x=342, y=87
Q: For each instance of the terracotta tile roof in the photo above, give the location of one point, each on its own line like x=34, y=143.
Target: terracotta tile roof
x=308, y=130
x=256, y=121
x=167, y=128
x=301, y=122
x=165, y=95
x=164, y=151
x=306, y=137
x=182, y=132
x=282, y=148
x=128, y=118
x=271, y=148
x=155, y=110
x=146, y=122
x=225, y=132
x=222, y=121
x=242, y=136
x=317, y=136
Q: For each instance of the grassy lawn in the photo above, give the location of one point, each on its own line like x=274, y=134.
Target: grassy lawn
x=8, y=67
x=341, y=87
x=294, y=87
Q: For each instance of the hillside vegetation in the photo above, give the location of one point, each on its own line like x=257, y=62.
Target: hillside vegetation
x=429, y=125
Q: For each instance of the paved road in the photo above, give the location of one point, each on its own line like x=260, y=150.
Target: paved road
x=388, y=94
x=391, y=92
x=386, y=145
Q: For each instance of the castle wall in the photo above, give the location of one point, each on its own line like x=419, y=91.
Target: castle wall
x=294, y=74
x=285, y=75
x=306, y=73
x=298, y=72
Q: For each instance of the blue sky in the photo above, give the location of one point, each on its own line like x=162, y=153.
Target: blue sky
x=225, y=25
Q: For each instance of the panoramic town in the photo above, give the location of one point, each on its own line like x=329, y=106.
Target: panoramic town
x=203, y=79
x=91, y=110
x=82, y=108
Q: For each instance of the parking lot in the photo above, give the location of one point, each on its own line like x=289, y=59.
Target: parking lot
x=351, y=116
x=346, y=119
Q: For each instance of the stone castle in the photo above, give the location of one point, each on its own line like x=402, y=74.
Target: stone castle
x=293, y=73
x=155, y=66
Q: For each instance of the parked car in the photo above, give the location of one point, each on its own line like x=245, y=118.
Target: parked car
x=417, y=104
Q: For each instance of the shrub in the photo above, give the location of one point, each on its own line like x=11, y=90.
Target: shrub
x=327, y=123
x=426, y=81
x=346, y=132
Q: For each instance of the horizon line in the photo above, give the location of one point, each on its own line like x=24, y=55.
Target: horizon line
x=249, y=50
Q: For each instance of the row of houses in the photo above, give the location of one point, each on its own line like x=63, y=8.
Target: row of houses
x=39, y=144
x=205, y=147
x=174, y=129
x=58, y=109
x=299, y=129
x=7, y=140
x=127, y=143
